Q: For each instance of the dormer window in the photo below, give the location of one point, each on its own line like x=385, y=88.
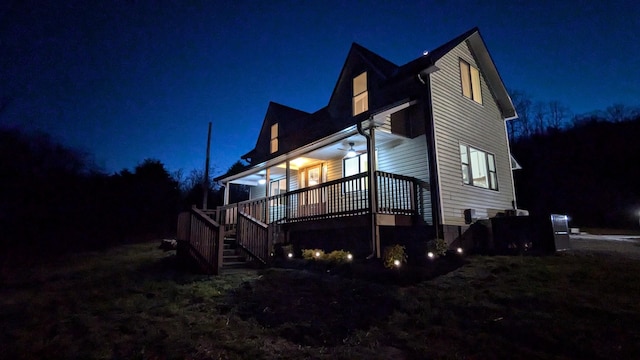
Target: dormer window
x=274, y=138
x=360, y=94
x=470, y=77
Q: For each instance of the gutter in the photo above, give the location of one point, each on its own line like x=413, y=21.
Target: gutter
x=371, y=171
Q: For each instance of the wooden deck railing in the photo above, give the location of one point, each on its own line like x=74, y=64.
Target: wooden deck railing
x=253, y=237
x=255, y=222
x=199, y=238
x=397, y=194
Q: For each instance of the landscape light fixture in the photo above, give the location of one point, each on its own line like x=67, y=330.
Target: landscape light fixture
x=351, y=152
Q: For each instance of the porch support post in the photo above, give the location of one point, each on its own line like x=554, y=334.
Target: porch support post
x=226, y=193
x=287, y=202
x=373, y=191
x=267, y=190
x=373, y=201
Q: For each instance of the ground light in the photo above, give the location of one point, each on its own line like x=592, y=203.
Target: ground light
x=290, y=255
x=431, y=255
x=396, y=263
x=459, y=250
x=349, y=257
x=317, y=253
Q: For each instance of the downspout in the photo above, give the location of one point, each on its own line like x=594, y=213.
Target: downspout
x=372, y=194
x=431, y=148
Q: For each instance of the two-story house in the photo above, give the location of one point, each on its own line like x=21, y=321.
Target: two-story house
x=399, y=154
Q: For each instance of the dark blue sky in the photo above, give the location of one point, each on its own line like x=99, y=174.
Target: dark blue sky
x=129, y=80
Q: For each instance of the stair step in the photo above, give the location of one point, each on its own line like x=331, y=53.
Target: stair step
x=233, y=258
x=234, y=264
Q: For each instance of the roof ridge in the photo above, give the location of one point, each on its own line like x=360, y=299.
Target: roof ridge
x=384, y=66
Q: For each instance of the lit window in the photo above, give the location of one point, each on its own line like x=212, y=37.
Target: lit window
x=352, y=166
x=278, y=187
x=470, y=77
x=355, y=165
x=478, y=168
x=312, y=176
x=274, y=138
x=360, y=94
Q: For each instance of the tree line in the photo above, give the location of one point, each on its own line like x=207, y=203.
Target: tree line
x=54, y=200
x=586, y=166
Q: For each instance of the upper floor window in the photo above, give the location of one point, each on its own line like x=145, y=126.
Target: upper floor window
x=274, y=138
x=478, y=168
x=360, y=94
x=470, y=77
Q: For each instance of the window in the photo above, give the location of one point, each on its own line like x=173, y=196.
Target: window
x=470, y=77
x=311, y=176
x=478, y=168
x=274, y=138
x=360, y=94
x=355, y=165
x=352, y=166
x=278, y=187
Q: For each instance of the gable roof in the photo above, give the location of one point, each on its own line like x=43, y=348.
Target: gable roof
x=286, y=117
x=427, y=64
x=300, y=127
x=382, y=67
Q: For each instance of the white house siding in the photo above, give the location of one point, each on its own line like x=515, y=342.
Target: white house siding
x=458, y=119
x=409, y=158
x=258, y=191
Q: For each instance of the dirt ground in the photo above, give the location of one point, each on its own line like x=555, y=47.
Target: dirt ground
x=626, y=245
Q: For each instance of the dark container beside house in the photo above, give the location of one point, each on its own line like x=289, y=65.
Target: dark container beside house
x=523, y=234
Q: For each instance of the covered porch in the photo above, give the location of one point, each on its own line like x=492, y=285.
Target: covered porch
x=385, y=199
x=366, y=176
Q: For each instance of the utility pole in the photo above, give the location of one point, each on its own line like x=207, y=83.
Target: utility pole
x=205, y=182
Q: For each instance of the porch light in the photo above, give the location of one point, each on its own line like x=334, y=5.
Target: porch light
x=262, y=180
x=351, y=152
x=431, y=255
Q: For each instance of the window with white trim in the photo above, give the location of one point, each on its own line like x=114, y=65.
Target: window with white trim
x=470, y=79
x=360, y=94
x=352, y=166
x=277, y=187
x=274, y=138
x=478, y=168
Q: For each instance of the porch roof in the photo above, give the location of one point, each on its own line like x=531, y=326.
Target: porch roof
x=330, y=146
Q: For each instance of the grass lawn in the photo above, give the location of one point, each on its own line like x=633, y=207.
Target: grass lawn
x=130, y=302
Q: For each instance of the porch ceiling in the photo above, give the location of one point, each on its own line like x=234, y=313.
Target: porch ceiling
x=332, y=151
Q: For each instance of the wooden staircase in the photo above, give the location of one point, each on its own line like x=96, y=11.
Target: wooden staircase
x=232, y=256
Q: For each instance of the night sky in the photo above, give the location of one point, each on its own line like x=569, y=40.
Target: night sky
x=136, y=79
